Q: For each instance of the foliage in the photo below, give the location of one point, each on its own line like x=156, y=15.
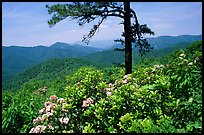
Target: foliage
x=54, y=69
x=153, y=99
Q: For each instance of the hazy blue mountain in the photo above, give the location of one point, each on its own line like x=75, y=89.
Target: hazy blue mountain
x=101, y=44
x=168, y=41
x=156, y=42
x=16, y=59
x=60, y=68
x=108, y=57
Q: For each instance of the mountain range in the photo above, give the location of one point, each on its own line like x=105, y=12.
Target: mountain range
x=16, y=59
x=156, y=42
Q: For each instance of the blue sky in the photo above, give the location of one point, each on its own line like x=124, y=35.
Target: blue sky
x=25, y=23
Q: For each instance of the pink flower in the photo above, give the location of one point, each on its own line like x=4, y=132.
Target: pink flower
x=90, y=100
x=53, y=98
x=87, y=102
x=38, y=119
x=64, y=121
x=48, y=104
x=45, y=117
x=50, y=126
x=48, y=109
x=38, y=129
x=42, y=111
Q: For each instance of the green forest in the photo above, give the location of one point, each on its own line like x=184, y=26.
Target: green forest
x=163, y=94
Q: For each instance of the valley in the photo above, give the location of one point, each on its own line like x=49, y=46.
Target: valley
x=16, y=59
x=164, y=87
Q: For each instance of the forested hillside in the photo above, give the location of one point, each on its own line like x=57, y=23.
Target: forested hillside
x=16, y=59
x=110, y=57
x=101, y=59
x=54, y=69
x=162, y=95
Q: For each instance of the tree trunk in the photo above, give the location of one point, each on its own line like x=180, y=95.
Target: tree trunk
x=128, y=45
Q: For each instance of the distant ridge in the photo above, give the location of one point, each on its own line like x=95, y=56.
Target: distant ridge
x=162, y=42
x=16, y=59
x=156, y=42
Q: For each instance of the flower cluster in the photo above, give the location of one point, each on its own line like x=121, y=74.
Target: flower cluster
x=109, y=89
x=87, y=102
x=38, y=129
x=53, y=98
x=47, y=112
x=43, y=89
x=125, y=79
x=157, y=67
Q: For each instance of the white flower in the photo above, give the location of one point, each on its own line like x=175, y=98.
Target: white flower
x=190, y=64
x=110, y=85
x=182, y=55
x=109, y=93
x=49, y=114
x=61, y=100
x=153, y=70
x=32, y=130
x=190, y=100
x=42, y=111
x=196, y=59
x=124, y=81
x=125, y=77
x=109, y=89
x=64, y=120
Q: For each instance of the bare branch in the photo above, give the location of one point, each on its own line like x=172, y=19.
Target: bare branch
x=88, y=37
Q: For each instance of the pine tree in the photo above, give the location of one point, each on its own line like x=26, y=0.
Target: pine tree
x=86, y=12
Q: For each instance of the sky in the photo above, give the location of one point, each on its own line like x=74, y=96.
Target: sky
x=25, y=23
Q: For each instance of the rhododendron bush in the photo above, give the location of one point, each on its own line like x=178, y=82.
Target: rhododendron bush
x=158, y=99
